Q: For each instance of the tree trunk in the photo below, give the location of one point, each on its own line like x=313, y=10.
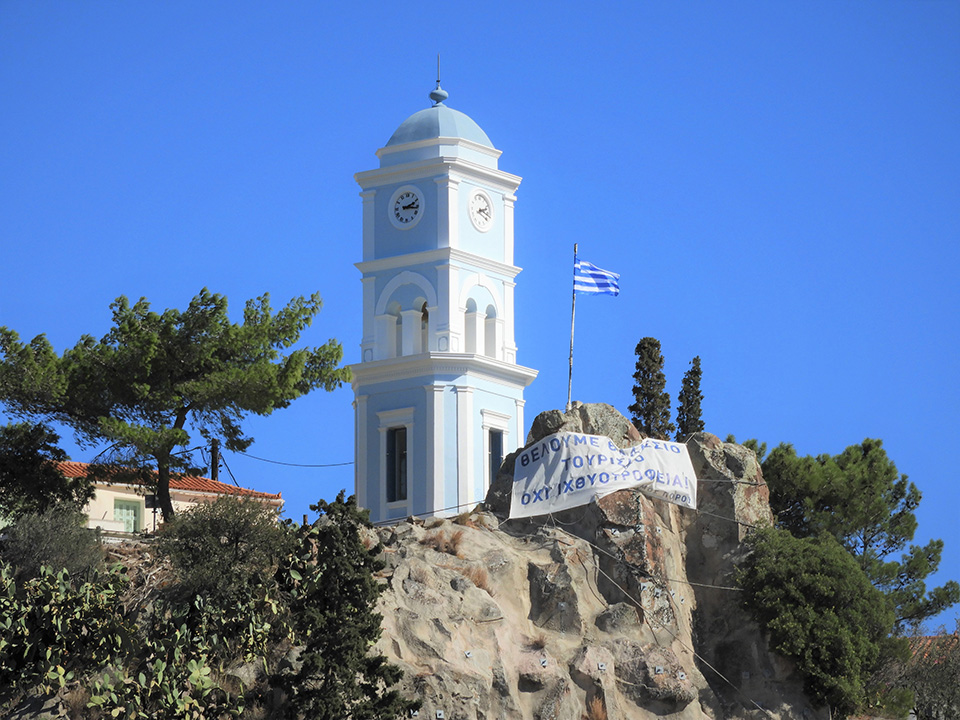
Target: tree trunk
x=163, y=489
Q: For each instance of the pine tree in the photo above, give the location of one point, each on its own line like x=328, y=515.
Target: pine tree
x=818, y=608
x=860, y=498
x=650, y=412
x=689, y=420
x=156, y=380
x=29, y=479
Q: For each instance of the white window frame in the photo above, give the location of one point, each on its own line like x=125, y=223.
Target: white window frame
x=492, y=420
x=391, y=420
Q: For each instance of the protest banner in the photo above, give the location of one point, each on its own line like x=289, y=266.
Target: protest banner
x=566, y=470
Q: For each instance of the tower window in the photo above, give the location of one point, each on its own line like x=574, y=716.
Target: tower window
x=396, y=464
x=494, y=453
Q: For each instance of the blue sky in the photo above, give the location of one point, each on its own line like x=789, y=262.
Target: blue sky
x=778, y=185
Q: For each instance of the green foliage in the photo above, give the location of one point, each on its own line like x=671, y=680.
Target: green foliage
x=57, y=539
x=860, y=499
x=689, y=420
x=155, y=377
x=650, y=411
x=820, y=609
x=171, y=674
x=333, y=592
x=225, y=549
x=29, y=480
x=53, y=628
x=278, y=588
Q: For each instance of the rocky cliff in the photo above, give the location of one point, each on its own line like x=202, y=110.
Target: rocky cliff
x=624, y=608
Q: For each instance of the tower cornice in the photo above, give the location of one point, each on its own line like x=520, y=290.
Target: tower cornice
x=451, y=256
x=463, y=142
x=451, y=166
x=439, y=364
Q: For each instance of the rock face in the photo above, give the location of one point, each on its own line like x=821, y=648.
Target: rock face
x=618, y=609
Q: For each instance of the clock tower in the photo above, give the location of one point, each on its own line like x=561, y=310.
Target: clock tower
x=438, y=391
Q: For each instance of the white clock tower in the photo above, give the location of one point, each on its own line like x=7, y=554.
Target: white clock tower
x=439, y=394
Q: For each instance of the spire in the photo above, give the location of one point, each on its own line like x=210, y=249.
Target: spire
x=438, y=94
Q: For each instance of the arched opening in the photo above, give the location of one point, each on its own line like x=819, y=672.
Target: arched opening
x=395, y=337
x=473, y=340
x=491, y=341
x=424, y=328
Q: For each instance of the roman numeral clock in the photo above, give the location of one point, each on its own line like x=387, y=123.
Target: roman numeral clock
x=438, y=391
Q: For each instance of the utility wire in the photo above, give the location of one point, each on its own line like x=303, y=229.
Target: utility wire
x=647, y=618
x=288, y=464
x=731, y=482
x=224, y=461
x=627, y=595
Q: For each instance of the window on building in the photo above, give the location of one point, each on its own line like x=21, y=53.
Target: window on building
x=494, y=452
x=396, y=464
x=130, y=513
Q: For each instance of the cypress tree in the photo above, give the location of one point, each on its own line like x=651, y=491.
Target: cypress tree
x=334, y=609
x=689, y=420
x=650, y=411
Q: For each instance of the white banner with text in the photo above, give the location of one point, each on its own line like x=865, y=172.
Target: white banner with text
x=565, y=470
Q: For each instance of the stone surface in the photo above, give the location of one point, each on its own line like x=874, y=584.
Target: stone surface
x=517, y=622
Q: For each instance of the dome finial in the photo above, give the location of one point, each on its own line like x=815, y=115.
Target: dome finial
x=438, y=94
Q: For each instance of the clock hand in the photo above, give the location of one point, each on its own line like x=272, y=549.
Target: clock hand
x=411, y=206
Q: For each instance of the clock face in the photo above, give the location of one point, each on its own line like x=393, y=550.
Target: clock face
x=481, y=210
x=407, y=206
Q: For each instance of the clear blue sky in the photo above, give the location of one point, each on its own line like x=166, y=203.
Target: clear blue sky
x=777, y=183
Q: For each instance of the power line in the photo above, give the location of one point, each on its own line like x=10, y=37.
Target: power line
x=224, y=461
x=289, y=464
x=647, y=617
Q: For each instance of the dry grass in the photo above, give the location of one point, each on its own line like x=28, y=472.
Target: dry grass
x=419, y=574
x=441, y=542
x=75, y=700
x=256, y=711
x=596, y=709
x=537, y=642
x=464, y=519
x=478, y=575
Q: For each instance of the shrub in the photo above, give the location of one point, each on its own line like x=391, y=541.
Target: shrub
x=819, y=609
x=52, y=628
x=58, y=539
x=221, y=549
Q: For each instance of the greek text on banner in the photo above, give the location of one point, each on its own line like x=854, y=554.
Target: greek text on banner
x=565, y=470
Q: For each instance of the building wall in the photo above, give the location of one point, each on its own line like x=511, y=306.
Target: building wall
x=101, y=511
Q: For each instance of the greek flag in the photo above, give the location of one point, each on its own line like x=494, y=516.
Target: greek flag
x=588, y=278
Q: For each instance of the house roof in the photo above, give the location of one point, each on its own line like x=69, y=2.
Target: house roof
x=921, y=647
x=189, y=483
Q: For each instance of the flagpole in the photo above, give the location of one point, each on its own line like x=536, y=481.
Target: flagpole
x=573, y=314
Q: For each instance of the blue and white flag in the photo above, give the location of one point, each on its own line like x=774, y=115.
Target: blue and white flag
x=588, y=278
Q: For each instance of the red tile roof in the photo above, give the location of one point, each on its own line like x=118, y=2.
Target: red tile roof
x=921, y=647
x=189, y=483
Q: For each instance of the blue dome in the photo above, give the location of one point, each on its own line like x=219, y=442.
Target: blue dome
x=438, y=121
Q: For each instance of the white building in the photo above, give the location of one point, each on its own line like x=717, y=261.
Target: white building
x=439, y=393
x=123, y=507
